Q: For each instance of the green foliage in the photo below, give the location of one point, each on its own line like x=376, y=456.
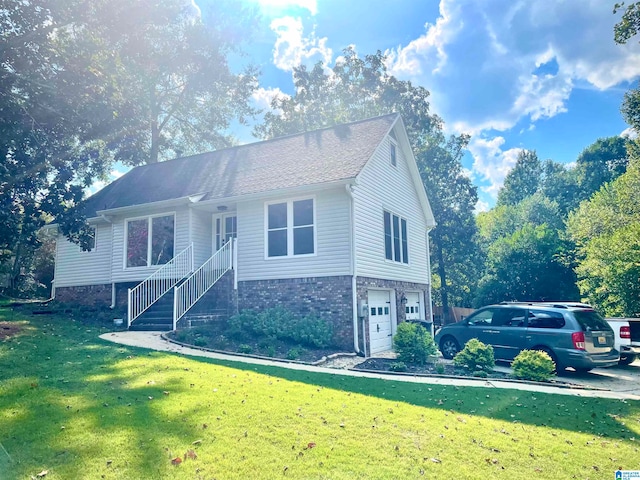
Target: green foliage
x=244, y=348
x=413, y=344
x=398, y=367
x=533, y=365
x=475, y=356
x=522, y=181
x=440, y=368
x=606, y=231
x=280, y=323
x=200, y=342
x=294, y=353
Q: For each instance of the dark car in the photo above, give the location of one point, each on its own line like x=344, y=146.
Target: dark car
x=573, y=334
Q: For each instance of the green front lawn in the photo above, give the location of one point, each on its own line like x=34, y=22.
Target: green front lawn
x=76, y=407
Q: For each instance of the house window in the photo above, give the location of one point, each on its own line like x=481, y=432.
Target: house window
x=393, y=153
x=225, y=229
x=91, y=241
x=396, y=246
x=150, y=241
x=290, y=228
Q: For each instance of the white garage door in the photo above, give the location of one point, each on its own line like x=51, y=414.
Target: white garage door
x=379, y=321
x=412, y=308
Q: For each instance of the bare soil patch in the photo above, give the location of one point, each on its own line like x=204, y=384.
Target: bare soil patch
x=9, y=330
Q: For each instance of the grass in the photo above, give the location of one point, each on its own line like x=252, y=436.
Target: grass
x=76, y=407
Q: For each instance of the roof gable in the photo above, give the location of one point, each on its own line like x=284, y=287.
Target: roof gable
x=321, y=156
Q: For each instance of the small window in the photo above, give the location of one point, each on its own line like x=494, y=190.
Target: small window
x=91, y=240
x=373, y=311
x=290, y=228
x=393, y=153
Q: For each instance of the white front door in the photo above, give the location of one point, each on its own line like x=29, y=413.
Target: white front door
x=224, y=228
x=412, y=308
x=380, y=334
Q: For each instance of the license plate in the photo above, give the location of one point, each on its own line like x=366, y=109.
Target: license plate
x=602, y=340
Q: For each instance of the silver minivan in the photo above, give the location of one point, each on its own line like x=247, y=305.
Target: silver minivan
x=573, y=334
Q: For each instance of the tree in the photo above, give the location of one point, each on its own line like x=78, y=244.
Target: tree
x=357, y=88
x=526, y=254
x=606, y=230
x=522, y=181
x=87, y=82
x=601, y=162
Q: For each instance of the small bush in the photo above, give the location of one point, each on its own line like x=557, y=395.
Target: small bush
x=294, y=353
x=271, y=351
x=440, y=368
x=200, y=342
x=244, y=348
x=475, y=356
x=281, y=324
x=398, y=367
x=413, y=344
x=533, y=365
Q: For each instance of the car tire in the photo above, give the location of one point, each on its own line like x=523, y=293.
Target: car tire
x=449, y=347
x=626, y=359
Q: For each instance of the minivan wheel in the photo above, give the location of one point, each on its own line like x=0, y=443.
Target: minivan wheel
x=626, y=359
x=449, y=347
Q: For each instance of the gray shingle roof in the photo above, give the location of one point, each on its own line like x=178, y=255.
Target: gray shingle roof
x=320, y=156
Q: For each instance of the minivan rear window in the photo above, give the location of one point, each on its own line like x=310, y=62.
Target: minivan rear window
x=545, y=319
x=590, y=320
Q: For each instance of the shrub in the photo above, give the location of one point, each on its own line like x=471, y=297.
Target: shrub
x=243, y=324
x=533, y=365
x=200, y=342
x=244, y=348
x=398, y=367
x=413, y=343
x=294, y=353
x=278, y=323
x=440, y=368
x=313, y=331
x=475, y=356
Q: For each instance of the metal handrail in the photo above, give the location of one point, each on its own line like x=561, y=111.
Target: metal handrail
x=147, y=292
x=199, y=282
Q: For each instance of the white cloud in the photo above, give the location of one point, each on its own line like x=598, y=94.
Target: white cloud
x=262, y=97
x=286, y=5
x=490, y=163
x=482, y=206
x=629, y=133
x=293, y=49
x=489, y=65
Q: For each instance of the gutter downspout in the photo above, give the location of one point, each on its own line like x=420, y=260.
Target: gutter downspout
x=113, y=296
x=354, y=292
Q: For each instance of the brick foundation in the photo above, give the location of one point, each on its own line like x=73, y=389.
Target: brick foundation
x=90, y=295
x=327, y=297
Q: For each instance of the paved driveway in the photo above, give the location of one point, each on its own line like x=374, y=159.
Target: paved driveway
x=617, y=379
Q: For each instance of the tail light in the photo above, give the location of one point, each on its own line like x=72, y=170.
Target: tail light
x=625, y=332
x=578, y=340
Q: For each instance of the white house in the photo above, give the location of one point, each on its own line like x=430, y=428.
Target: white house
x=333, y=222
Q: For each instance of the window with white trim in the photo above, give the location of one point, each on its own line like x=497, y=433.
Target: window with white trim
x=290, y=228
x=396, y=245
x=150, y=240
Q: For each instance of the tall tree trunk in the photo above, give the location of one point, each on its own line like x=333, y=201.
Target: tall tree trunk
x=442, y=273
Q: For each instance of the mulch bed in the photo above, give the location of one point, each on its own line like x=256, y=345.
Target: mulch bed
x=385, y=365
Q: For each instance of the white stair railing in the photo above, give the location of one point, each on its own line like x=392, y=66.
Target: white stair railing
x=199, y=282
x=143, y=295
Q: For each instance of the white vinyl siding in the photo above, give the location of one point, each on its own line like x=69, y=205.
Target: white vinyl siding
x=381, y=188
x=73, y=267
x=332, y=248
x=200, y=236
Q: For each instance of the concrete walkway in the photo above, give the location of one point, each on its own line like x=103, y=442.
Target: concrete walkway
x=154, y=341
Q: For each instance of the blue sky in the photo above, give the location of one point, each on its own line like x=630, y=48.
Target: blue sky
x=542, y=75
x=537, y=74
